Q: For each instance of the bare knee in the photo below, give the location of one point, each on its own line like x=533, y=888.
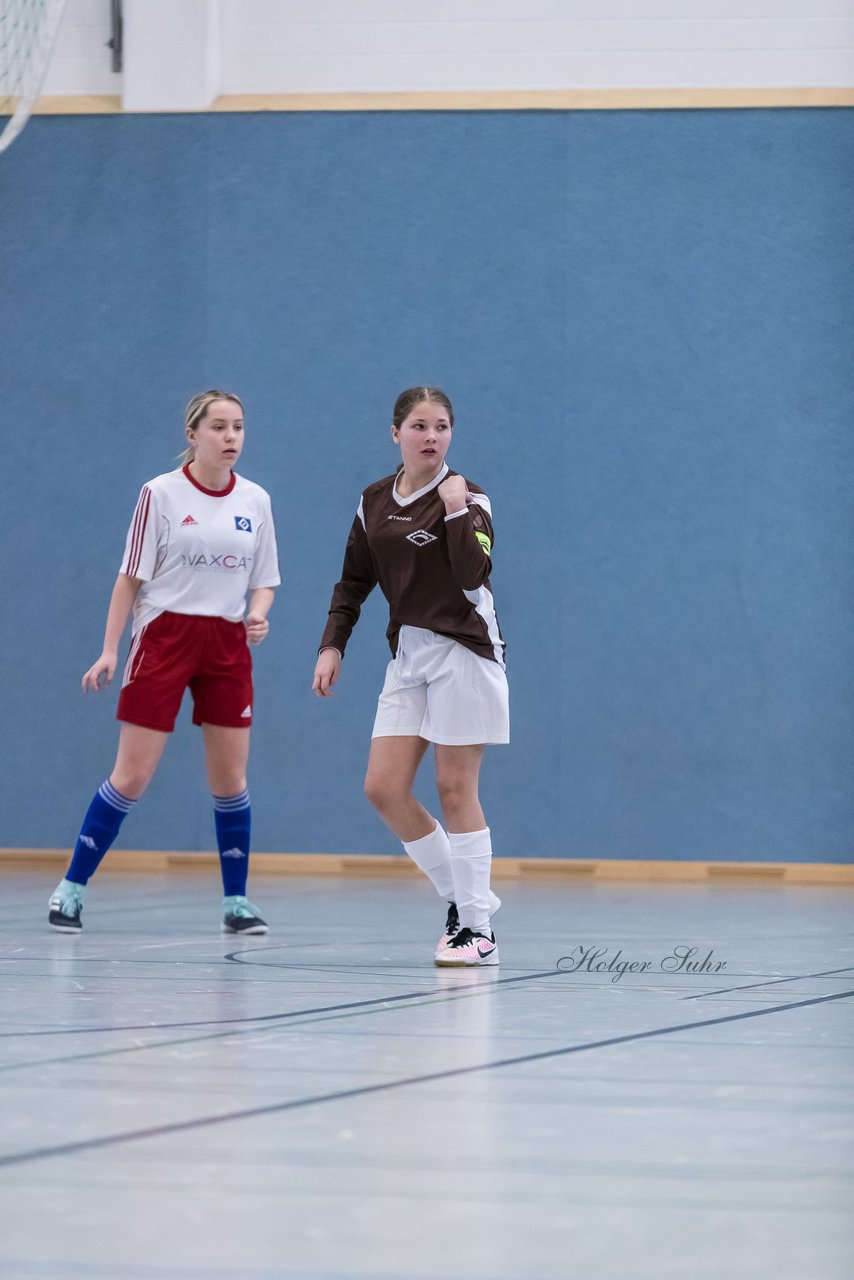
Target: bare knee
x=137, y=759
x=458, y=796
x=453, y=794
x=385, y=794
x=130, y=781
x=376, y=792
x=228, y=782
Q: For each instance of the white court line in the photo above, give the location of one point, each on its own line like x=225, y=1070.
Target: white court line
x=187, y=942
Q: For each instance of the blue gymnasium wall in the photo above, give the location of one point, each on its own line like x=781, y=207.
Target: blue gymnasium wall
x=645, y=320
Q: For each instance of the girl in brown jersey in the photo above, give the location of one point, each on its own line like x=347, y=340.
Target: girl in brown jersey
x=425, y=535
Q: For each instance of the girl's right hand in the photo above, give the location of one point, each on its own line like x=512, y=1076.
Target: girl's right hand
x=326, y=673
x=101, y=673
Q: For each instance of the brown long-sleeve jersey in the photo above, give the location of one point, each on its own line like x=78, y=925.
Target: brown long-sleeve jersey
x=432, y=570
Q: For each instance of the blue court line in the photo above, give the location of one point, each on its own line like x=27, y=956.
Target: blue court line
x=281, y=1017
x=275, y=1108
x=770, y=982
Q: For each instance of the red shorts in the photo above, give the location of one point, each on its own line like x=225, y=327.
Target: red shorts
x=175, y=650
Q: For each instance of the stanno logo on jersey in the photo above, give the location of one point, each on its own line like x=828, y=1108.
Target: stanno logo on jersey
x=420, y=537
x=188, y=520
x=243, y=523
x=408, y=519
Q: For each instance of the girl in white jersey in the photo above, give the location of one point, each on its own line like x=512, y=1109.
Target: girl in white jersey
x=201, y=538
x=425, y=535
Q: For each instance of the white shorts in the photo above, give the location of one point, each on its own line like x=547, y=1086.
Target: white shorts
x=439, y=690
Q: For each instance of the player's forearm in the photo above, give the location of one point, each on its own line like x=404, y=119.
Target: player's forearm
x=344, y=612
x=358, y=579
x=338, y=629
x=261, y=601
x=121, y=602
x=468, y=553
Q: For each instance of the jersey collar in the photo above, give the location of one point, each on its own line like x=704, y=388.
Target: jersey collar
x=212, y=493
x=419, y=493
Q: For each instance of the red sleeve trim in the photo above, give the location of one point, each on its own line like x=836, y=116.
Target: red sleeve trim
x=140, y=520
x=212, y=493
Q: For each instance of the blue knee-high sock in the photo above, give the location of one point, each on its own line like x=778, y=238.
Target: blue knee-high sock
x=105, y=815
x=233, y=818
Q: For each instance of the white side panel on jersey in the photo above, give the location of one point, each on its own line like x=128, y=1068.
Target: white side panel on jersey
x=485, y=606
x=482, y=501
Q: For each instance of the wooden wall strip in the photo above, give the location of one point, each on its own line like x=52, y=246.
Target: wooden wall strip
x=84, y=105
x=526, y=100
x=567, y=869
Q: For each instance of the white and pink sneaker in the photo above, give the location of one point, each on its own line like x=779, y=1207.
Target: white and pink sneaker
x=452, y=927
x=452, y=924
x=467, y=949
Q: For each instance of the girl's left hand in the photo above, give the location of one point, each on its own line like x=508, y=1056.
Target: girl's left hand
x=256, y=626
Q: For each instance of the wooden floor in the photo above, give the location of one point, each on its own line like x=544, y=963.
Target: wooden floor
x=324, y=1104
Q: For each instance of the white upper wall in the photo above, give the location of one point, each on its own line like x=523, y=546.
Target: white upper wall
x=325, y=46
x=81, y=61
x=340, y=46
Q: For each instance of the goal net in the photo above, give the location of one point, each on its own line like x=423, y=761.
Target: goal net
x=27, y=33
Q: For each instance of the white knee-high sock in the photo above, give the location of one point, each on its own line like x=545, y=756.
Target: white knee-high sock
x=432, y=854
x=471, y=860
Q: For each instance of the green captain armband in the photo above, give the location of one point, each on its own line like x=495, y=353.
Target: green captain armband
x=484, y=542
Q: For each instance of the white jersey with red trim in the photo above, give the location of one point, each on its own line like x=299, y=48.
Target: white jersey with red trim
x=199, y=551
